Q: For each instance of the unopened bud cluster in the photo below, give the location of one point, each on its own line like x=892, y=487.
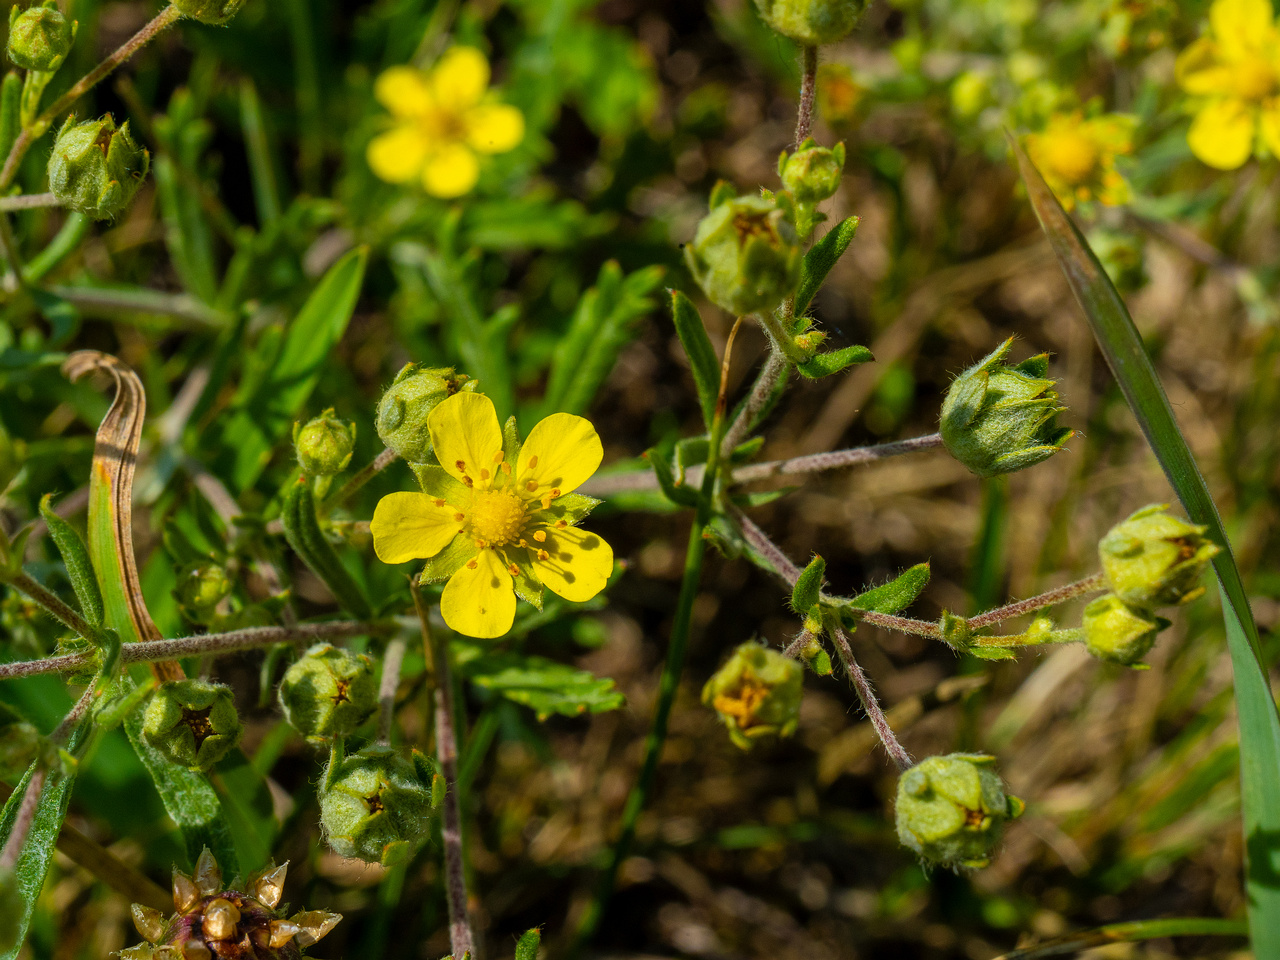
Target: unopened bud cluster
x=1152, y=559
x=210, y=921
x=756, y=694
x=329, y=693
x=951, y=809
x=403, y=409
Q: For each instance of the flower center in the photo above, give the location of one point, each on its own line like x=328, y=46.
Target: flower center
x=497, y=516
x=1071, y=155
x=444, y=125
x=1255, y=79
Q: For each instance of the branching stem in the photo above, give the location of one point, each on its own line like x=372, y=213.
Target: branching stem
x=1047, y=599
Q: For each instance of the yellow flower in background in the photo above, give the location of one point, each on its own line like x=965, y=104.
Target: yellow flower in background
x=498, y=518
x=1236, y=72
x=1077, y=156
x=441, y=120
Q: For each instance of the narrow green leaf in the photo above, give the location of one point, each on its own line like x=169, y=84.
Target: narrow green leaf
x=825, y=364
x=10, y=101
x=545, y=686
x=265, y=414
x=809, y=585
x=1130, y=933
x=187, y=233
x=527, y=946
x=702, y=355
x=261, y=166
x=821, y=258
x=302, y=530
x=680, y=494
x=898, y=594
x=76, y=557
x=1259, y=721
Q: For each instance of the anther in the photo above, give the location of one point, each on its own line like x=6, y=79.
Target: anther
x=472, y=563
x=523, y=542
x=484, y=474
x=481, y=544
x=467, y=480
x=561, y=524
x=459, y=517
x=497, y=456
x=543, y=555
x=540, y=536
x=506, y=468
x=531, y=485
x=533, y=461
x=513, y=570
x=555, y=492
x=439, y=503
x=461, y=465
x=546, y=502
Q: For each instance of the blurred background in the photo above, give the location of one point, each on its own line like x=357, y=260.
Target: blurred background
x=634, y=108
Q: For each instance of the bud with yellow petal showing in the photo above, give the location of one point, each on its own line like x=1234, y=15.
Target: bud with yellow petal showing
x=1153, y=559
x=756, y=693
x=950, y=809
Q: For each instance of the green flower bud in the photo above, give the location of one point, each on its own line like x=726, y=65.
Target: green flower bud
x=1117, y=632
x=96, y=168
x=201, y=587
x=757, y=694
x=215, y=12
x=374, y=807
x=324, y=445
x=40, y=37
x=950, y=809
x=329, y=693
x=812, y=22
x=812, y=173
x=997, y=419
x=745, y=254
x=192, y=722
x=403, y=409
x=11, y=910
x=19, y=742
x=1153, y=559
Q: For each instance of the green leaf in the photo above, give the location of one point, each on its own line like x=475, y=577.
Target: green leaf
x=302, y=530
x=190, y=801
x=10, y=102
x=543, y=685
x=897, y=594
x=186, y=230
x=528, y=944
x=825, y=364
x=265, y=415
x=821, y=258
x=677, y=493
x=808, y=586
x=1259, y=721
x=75, y=555
x=702, y=355
x=1130, y=933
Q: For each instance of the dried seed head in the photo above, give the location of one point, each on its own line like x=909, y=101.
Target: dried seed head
x=195, y=950
x=281, y=932
x=315, y=925
x=185, y=893
x=148, y=921
x=220, y=919
x=208, y=874
x=267, y=886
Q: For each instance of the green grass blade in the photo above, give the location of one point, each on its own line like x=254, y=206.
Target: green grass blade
x=703, y=363
x=1130, y=933
x=1259, y=722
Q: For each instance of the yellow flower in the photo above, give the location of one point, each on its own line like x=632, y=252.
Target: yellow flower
x=1235, y=71
x=1077, y=156
x=496, y=519
x=440, y=121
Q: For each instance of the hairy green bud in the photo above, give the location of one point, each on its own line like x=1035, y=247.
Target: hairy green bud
x=812, y=173
x=329, y=693
x=324, y=445
x=192, y=722
x=812, y=22
x=214, y=12
x=374, y=807
x=96, y=168
x=201, y=587
x=1117, y=632
x=997, y=419
x=19, y=743
x=11, y=910
x=950, y=809
x=745, y=254
x=756, y=693
x=403, y=409
x=1153, y=559
x=40, y=37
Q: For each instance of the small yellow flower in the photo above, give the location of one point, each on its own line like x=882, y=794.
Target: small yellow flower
x=441, y=120
x=1077, y=156
x=498, y=518
x=1235, y=71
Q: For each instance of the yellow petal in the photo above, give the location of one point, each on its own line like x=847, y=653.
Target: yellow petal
x=494, y=127
x=1222, y=134
x=403, y=91
x=1269, y=125
x=578, y=563
x=397, y=156
x=452, y=171
x=561, y=453
x=466, y=436
x=460, y=77
x=1200, y=70
x=479, y=601
x=410, y=526
x=1241, y=25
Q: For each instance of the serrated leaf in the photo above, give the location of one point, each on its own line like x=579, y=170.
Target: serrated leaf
x=1259, y=722
x=821, y=258
x=703, y=363
x=528, y=944
x=545, y=686
x=898, y=594
x=808, y=586
x=825, y=364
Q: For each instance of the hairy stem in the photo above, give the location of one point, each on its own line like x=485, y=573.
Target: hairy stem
x=367, y=473
x=153, y=650
x=28, y=201
x=870, y=704
x=1047, y=599
x=808, y=91
x=436, y=651
x=392, y=659
x=56, y=607
x=22, y=822
x=775, y=368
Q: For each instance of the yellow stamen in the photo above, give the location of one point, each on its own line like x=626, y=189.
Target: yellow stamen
x=484, y=474
x=439, y=503
x=543, y=555
x=459, y=517
x=531, y=485
x=497, y=457
x=497, y=516
x=533, y=461
x=540, y=536
x=472, y=563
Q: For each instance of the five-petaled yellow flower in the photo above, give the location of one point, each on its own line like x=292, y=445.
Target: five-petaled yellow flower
x=1077, y=156
x=497, y=518
x=440, y=121
x=1236, y=72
